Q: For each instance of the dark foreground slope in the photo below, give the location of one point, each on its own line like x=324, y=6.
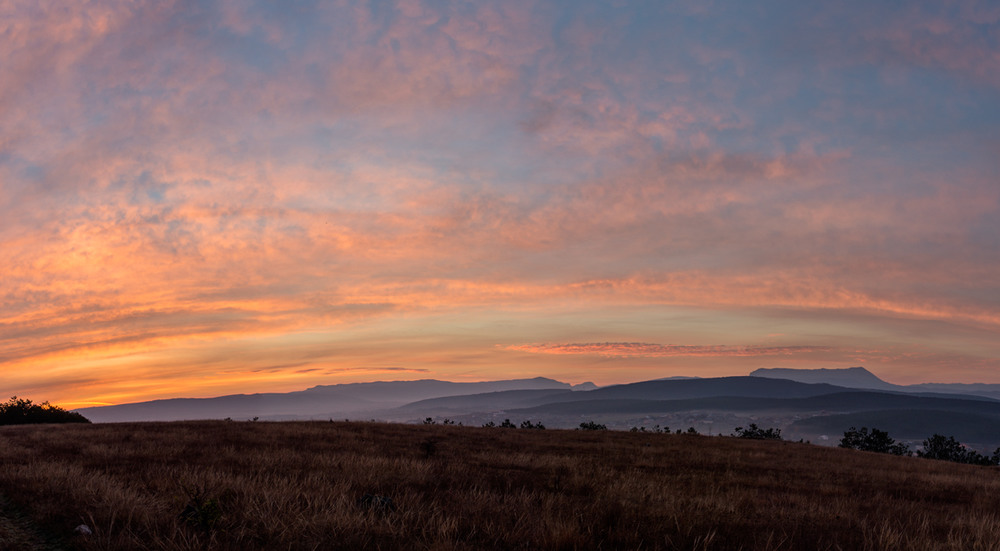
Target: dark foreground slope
x=325, y=485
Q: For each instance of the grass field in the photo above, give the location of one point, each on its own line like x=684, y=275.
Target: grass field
x=322, y=485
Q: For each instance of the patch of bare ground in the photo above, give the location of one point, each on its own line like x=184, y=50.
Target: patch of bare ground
x=319, y=485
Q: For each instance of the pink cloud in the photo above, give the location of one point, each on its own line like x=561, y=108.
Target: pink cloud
x=160, y=184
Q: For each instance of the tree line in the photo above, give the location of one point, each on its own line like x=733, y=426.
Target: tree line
x=20, y=411
x=938, y=446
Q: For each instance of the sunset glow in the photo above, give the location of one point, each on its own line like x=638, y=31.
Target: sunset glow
x=207, y=198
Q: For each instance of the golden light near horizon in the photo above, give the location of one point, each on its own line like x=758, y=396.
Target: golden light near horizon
x=226, y=198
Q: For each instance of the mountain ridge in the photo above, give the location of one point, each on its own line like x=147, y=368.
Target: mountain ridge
x=859, y=377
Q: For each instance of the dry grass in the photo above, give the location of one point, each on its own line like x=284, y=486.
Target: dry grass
x=301, y=486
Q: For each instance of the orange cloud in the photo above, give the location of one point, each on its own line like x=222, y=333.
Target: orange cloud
x=626, y=349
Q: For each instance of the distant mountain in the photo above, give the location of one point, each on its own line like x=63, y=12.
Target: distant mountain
x=859, y=377
x=627, y=396
x=668, y=389
x=977, y=389
x=490, y=401
x=811, y=407
x=804, y=409
x=316, y=402
x=851, y=377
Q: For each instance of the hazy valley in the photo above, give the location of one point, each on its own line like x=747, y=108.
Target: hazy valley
x=813, y=405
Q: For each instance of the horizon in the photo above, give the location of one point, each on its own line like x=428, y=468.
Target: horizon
x=216, y=198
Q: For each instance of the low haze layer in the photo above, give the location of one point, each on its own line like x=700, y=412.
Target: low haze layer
x=204, y=198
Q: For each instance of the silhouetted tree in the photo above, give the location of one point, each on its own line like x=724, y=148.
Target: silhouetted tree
x=19, y=411
x=873, y=440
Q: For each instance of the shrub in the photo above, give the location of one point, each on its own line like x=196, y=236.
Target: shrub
x=754, y=432
x=656, y=428
x=873, y=440
x=19, y=411
x=590, y=425
x=507, y=424
x=948, y=449
x=530, y=425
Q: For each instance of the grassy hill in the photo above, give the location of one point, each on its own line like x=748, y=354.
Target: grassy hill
x=323, y=485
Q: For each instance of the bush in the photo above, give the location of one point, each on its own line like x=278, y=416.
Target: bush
x=590, y=425
x=656, y=429
x=530, y=425
x=753, y=432
x=948, y=449
x=873, y=440
x=18, y=411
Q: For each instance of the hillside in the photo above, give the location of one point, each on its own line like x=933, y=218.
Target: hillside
x=645, y=391
x=825, y=403
x=325, y=485
x=812, y=411
x=978, y=430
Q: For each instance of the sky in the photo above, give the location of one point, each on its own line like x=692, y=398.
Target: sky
x=207, y=198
